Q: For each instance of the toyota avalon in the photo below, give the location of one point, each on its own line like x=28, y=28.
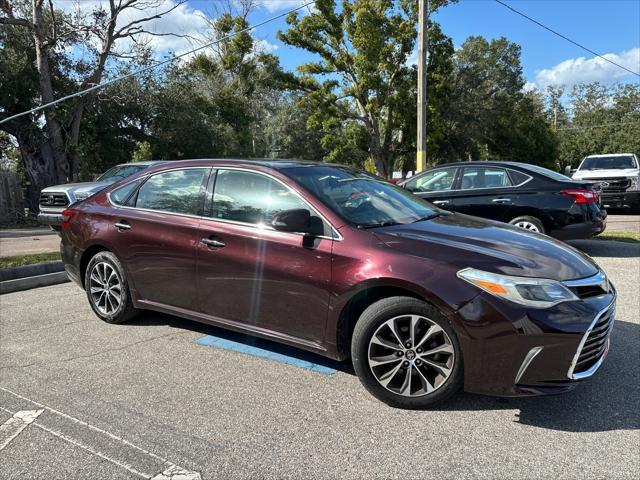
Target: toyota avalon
x=333, y=260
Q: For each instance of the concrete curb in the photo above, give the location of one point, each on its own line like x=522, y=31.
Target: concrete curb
x=32, y=276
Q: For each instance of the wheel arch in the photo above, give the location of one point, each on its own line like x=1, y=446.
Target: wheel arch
x=363, y=295
x=86, y=257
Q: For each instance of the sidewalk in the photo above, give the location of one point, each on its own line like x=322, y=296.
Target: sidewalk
x=28, y=241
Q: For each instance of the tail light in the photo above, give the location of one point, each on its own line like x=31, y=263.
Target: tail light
x=581, y=196
x=67, y=217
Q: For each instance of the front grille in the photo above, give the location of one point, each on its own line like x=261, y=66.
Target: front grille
x=595, y=342
x=589, y=287
x=54, y=199
x=613, y=185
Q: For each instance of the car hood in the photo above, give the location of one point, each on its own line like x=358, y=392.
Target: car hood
x=467, y=241
x=91, y=187
x=605, y=173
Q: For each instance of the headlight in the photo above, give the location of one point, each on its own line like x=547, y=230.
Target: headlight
x=634, y=183
x=532, y=292
x=82, y=196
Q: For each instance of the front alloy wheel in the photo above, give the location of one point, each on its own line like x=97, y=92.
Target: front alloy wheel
x=406, y=353
x=411, y=355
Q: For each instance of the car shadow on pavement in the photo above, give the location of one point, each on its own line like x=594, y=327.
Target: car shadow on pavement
x=608, y=401
x=607, y=248
x=152, y=318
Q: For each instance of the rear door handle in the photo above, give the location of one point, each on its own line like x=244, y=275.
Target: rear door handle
x=501, y=200
x=122, y=225
x=441, y=202
x=213, y=243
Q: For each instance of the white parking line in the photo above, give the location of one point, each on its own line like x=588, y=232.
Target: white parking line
x=16, y=424
x=171, y=470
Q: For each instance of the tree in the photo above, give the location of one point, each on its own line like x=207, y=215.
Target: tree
x=38, y=44
x=604, y=119
x=362, y=50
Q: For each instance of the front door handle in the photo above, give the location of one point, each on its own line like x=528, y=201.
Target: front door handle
x=122, y=225
x=501, y=200
x=441, y=202
x=213, y=243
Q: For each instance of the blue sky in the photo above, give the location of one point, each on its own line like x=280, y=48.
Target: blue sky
x=605, y=26
x=609, y=27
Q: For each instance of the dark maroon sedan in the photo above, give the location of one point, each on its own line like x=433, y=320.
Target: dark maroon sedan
x=335, y=261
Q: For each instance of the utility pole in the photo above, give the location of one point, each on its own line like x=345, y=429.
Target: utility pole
x=423, y=19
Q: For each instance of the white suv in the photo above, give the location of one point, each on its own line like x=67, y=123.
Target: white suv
x=618, y=175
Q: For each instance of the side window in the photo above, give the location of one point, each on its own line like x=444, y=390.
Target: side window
x=251, y=197
x=518, y=178
x=484, y=177
x=120, y=195
x=173, y=191
x=435, y=181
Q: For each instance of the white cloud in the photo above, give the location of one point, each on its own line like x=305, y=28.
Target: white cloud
x=279, y=5
x=577, y=70
x=264, y=46
x=184, y=20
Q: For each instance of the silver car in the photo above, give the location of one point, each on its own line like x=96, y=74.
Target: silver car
x=53, y=200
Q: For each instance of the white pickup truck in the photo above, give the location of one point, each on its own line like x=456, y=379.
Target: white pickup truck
x=618, y=175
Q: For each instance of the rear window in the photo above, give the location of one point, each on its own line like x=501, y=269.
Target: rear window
x=548, y=173
x=177, y=191
x=120, y=195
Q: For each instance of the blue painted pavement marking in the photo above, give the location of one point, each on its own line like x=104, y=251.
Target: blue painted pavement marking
x=218, y=342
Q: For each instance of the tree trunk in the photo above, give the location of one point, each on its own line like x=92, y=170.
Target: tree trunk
x=38, y=157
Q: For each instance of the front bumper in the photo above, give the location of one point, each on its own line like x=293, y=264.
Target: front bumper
x=510, y=350
x=53, y=219
x=622, y=199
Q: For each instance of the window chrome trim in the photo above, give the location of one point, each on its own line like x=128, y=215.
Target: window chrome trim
x=589, y=372
x=337, y=238
x=473, y=189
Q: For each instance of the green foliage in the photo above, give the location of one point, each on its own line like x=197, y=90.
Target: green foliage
x=361, y=73
x=606, y=119
x=142, y=152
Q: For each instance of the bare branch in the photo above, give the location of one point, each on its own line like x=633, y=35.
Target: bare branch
x=124, y=28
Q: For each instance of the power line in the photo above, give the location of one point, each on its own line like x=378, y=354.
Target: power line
x=565, y=37
x=155, y=65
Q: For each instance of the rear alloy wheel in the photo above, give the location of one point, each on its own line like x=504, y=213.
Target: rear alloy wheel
x=107, y=288
x=406, y=353
x=528, y=223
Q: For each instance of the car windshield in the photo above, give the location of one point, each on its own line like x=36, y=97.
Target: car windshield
x=614, y=162
x=360, y=198
x=119, y=172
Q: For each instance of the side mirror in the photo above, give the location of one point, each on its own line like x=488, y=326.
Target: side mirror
x=567, y=170
x=297, y=220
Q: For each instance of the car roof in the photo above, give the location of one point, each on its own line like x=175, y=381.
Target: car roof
x=146, y=163
x=485, y=163
x=277, y=164
x=610, y=155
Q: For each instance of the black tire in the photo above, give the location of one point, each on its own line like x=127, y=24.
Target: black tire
x=531, y=220
x=368, y=324
x=125, y=310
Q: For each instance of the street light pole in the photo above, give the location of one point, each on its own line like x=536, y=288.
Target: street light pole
x=423, y=18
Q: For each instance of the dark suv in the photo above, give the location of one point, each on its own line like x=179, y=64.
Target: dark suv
x=335, y=261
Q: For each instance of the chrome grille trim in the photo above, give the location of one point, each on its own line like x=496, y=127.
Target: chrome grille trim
x=593, y=346
x=580, y=286
x=54, y=199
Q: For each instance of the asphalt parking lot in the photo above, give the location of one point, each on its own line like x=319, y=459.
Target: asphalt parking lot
x=144, y=400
